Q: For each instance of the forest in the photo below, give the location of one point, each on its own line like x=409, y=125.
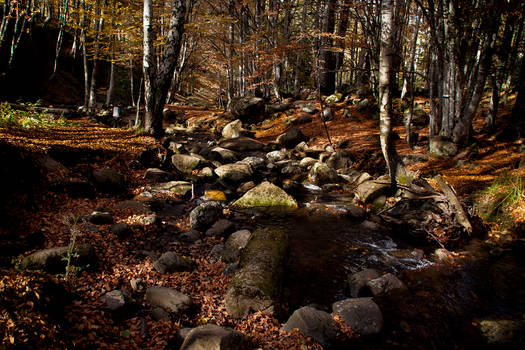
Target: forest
x=265, y=174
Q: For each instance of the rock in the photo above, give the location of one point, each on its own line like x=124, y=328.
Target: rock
x=234, y=173
x=321, y=174
x=292, y=170
x=159, y=313
x=220, y=228
x=234, y=245
x=137, y=284
x=303, y=118
x=100, y=217
x=363, y=104
x=121, y=230
x=419, y=118
x=385, y=284
x=266, y=195
x=108, y=180
x=168, y=299
x=212, y=337
x=276, y=156
x=224, y=154
x=276, y=108
x=327, y=114
x=214, y=195
x=53, y=260
x=339, y=160
x=357, y=283
x=313, y=323
x=190, y=236
x=509, y=333
x=248, y=108
x=361, y=314
x=171, y=262
x=255, y=286
x=136, y=206
x=181, y=188
x=335, y=98
x=310, y=109
x=157, y=175
x=242, y=144
x=254, y=162
x=245, y=187
x=347, y=114
x=291, y=138
x=440, y=147
x=150, y=219
x=307, y=162
x=203, y=216
x=113, y=300
x=79, y=189
x=185, y=163
x=370, y=191
x=233, y=129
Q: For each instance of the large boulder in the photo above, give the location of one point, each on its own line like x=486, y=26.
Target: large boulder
x=361, y=314
x=180, y=188
x=234, y=173
x=357, y=283
x=256, y=285
x=157, y=175
x=234, y=245
x=204, y=215
x=339, y=160
x=313, y=323
x=248, y=108
x=321, y=174
x=108, y=180
x=385, y=284
x=169, y=299
x=212, y=337
x=54, y=260
x=266, y=194
x=441, y=147
x=242, y=144
x=171, y=262
x=276, y=107
x=291, y=138
x=233, y=129
x=370, y=191
x=223, y=154
x=185, y=163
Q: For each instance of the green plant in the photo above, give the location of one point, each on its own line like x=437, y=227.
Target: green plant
x=17, y=118
x=71, y=253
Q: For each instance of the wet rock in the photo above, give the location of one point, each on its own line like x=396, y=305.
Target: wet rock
x=205, y=215
x=339, y=160
x=255, y=163
x=234, y=245
x=265, y=195
x=220, y=228
x=234, y=173
x=276, y=156
x=321, y=174
x=108, y=180
x=440, y=147
x=361, y=314
x=185, y=163
x=356, y=213
x=291, y=138
x=157, y=175
x=313, y=323
x=121, y=230
x=307, y=162
x=255, y=286
x=54, y=260
x=171, y=262
x=113, y=300
x=357, y=283
x=245, y=187
x=212, y=337
x=214, y=195
x=242, y=144
x=385, y=284
x=169, y=299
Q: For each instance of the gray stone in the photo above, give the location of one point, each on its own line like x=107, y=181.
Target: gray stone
x=171, y=262
x=321, y=174
x=181, y=188
x=157, y=175
x=313, y=323
x=159, y=313
x=339, y=160
x=242, y=144
x=361, y=314
x=224, y=154
x=291, y=138
x=220, y=228
x=212, y=337
x=234, y=245
x=370, y=191
x=307, y=162
x=217, y=249
x=245, y=187
x=276, y=156
x=169, y=299
x=53, y=260
x=440, y=147
x=108, y=180
x=234, y=173
x=385, y=284
x=357, y=281
x=113, y=300
x=190, y=236
x=419, y=117
x=100, y=217
x=266, y=195
x=248, y=108
x=121, y=230
x=185, y=163
x=356, y=213
x=233, y=129
x=205, y=215
x=310, y=109
x=254, y=162
x=303, y=118
x=256, y=285
x=327, y=114
x=363, y=104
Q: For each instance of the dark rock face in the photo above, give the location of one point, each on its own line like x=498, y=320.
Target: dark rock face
x=361, y=314
x=313, y=323
x=53, y=259
x=171, y=262
x=249, y=109
x=205, y=215
x=108, y=180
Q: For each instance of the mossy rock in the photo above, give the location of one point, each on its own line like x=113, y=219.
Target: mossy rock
x=256, y=285
x=266, y=195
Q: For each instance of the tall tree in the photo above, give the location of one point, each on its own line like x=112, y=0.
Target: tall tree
x=157, y=81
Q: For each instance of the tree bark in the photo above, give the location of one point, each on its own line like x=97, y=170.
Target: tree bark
x=326, y=55
x=518, y=112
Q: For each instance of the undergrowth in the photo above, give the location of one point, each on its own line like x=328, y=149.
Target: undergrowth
x=17, y=118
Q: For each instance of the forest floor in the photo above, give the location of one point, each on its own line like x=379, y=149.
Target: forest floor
x=26, y=320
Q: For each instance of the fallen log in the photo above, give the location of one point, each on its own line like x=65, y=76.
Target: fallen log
x=454, y=201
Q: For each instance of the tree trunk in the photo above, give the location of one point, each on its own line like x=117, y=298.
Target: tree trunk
x=340, y=31
x=157, y=82
x=99, y=22
x=109, y=93
x=326, y=55
x=518, y=112
x=298, y=62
